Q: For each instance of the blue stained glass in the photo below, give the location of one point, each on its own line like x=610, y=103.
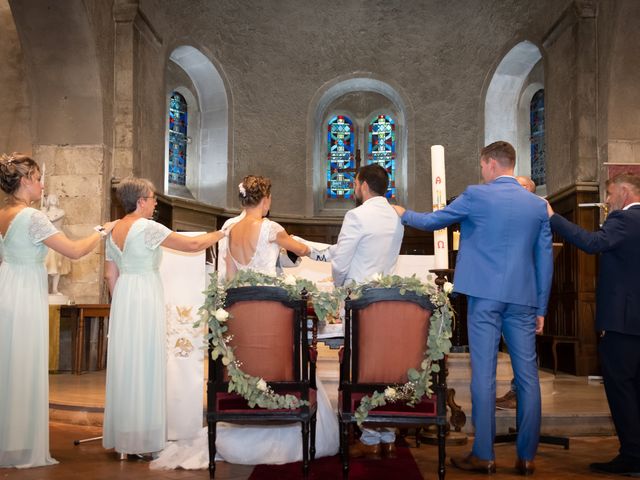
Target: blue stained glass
x=340, y=159
x=538, y=169
x=178, y=122
x=382, y=148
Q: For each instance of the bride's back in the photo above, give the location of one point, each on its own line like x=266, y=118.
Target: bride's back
x=243, y=239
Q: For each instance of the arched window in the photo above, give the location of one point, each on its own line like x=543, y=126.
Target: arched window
x=177, y=139
x=538, y=170
x=382, y=148
x=340, y=160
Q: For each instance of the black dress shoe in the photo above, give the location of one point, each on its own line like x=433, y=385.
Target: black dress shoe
x=525, y=467
x=621, y=465
x=471, y=463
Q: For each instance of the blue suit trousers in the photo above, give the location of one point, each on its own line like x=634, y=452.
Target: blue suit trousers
x=487, y=321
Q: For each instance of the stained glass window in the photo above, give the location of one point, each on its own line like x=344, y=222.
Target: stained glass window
x=538, y=170
x=340, y=159
x=177, y=139
x=382, y=148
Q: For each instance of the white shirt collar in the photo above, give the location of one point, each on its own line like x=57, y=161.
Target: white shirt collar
x=631, y=205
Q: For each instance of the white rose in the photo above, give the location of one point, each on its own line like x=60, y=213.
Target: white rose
x=376, y=277
x=447, y=287
x=289, y=279
x=390, y=393
x=221, y=315
x=261, y=385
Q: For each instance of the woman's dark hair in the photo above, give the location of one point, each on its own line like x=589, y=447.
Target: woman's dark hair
x=130, y=189
x=253, y=189
x=13, y=168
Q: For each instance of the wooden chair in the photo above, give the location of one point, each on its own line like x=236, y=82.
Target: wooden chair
x=270, y=339
x=385, y=335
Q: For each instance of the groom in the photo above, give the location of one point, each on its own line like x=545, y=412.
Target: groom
x=369, y=243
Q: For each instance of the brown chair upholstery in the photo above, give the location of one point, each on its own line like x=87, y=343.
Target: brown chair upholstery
x=269, y=334
x=386, y=335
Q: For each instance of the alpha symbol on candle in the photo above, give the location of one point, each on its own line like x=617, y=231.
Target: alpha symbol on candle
x=438, y=180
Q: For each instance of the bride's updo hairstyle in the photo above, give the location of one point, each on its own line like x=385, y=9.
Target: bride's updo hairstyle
x=13, y=167
x=253, y=189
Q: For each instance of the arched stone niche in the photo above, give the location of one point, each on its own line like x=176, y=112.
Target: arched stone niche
x=519, y=75
x=359, y=97
x=208, y=150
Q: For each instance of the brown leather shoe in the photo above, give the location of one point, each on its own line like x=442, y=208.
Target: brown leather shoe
x=472, y=463
x=360, y=450
x=508, y=401
x=388, y=450
x=525, y=467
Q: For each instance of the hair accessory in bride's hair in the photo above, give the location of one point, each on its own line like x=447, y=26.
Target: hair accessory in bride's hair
x=243, y=191
x=8, y=158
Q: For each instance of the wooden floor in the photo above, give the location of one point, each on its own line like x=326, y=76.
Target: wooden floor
x=573, y=405
x=90, y=461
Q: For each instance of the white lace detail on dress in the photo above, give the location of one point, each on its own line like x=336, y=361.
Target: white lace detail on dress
x=40, y=227
x=274, y=230
x=266, y=254
x=154, y=234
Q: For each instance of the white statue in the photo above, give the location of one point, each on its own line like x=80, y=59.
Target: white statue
x=56, y=263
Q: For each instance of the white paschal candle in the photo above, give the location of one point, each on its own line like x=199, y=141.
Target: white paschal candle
x=44, y=168
x=439, y=193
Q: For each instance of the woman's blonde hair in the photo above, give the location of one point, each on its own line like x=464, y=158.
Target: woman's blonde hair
x=13, y=168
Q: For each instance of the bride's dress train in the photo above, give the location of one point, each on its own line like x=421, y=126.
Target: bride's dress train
x=253, y=445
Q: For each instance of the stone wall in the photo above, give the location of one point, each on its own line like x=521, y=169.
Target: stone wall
x=15, y=114
x=277, y=55
x=74, y=173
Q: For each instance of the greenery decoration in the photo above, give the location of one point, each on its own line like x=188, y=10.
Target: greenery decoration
x=327, y=305
x=255, y=389
x=438, y=343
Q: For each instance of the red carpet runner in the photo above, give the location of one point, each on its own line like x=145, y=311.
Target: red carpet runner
x=329, y=468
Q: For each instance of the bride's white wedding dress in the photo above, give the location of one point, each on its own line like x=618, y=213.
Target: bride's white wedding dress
x=253, y=445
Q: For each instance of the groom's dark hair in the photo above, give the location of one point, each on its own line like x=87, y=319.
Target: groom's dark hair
x=376, y=177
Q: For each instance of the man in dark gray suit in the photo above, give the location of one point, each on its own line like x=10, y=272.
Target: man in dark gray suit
x=617, y=311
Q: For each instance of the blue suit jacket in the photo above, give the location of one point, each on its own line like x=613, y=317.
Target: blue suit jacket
x=505, y=242
x=618, y=243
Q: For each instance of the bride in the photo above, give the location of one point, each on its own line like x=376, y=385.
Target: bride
x=254, y=243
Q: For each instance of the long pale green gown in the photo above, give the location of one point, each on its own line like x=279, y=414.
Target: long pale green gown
x=24, y=342
x=135, y=402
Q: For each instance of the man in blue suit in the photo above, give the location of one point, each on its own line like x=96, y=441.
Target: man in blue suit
x=617, y=312
x=504, y=266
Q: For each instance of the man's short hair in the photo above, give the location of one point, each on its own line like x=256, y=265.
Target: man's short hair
x=629, y=178
x=376, y=177
x=501, y=152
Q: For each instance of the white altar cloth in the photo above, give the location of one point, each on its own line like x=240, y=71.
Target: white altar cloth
x=183, y=276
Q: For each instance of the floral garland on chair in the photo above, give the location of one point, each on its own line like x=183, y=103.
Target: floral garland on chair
x=255, y=389
x=438, y=342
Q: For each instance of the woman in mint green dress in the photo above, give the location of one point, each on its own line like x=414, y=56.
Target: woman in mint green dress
x=135, y=403
x=25, y=234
